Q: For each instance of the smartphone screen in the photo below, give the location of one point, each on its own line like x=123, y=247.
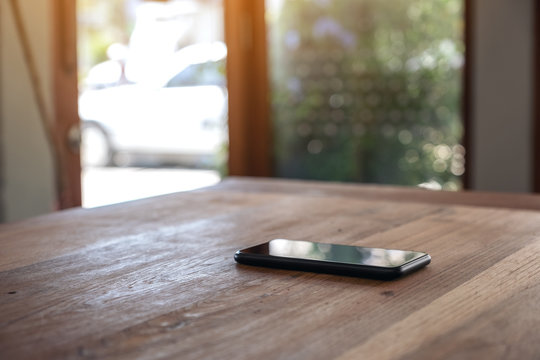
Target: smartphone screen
x=334, y=258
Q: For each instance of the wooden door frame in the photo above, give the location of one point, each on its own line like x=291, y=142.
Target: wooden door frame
x=249, y=125
x=536, y=99
x=65, y=103
x=467, y=93
x=250, y=135
x=247, y=75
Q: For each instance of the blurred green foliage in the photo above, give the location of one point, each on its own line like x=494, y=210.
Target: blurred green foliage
x=368, y=90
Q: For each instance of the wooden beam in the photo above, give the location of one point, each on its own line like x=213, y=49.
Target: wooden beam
x=66, y=100
x=249, y=124
x=467, y=93
x=536, y=98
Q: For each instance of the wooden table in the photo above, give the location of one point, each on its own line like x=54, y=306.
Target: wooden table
x=155, y=278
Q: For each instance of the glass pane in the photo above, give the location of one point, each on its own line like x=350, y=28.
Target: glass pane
x=367, y=90
x=153, y=97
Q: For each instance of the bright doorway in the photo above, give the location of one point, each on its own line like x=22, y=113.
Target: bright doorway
x=152, y=97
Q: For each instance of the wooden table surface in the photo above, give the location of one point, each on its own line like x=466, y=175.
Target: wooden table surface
x=155, y=278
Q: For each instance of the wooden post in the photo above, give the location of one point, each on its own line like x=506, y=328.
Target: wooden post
x=66, y=117
x=249, y=124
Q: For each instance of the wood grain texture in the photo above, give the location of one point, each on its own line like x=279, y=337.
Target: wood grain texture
x=156, y=278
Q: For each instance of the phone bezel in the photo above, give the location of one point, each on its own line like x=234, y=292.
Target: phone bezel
x=330, y=267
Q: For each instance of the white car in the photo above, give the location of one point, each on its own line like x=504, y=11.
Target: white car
x=182, y=121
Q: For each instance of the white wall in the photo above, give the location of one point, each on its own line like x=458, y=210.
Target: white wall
x=27, y=185
x=502, y=95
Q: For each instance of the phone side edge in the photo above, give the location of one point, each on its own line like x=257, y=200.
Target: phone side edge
x=315, y=266
x=415, y=265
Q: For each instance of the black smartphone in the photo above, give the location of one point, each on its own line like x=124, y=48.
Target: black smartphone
x=333, y=259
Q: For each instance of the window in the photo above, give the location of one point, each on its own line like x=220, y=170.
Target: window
x=367, y=90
